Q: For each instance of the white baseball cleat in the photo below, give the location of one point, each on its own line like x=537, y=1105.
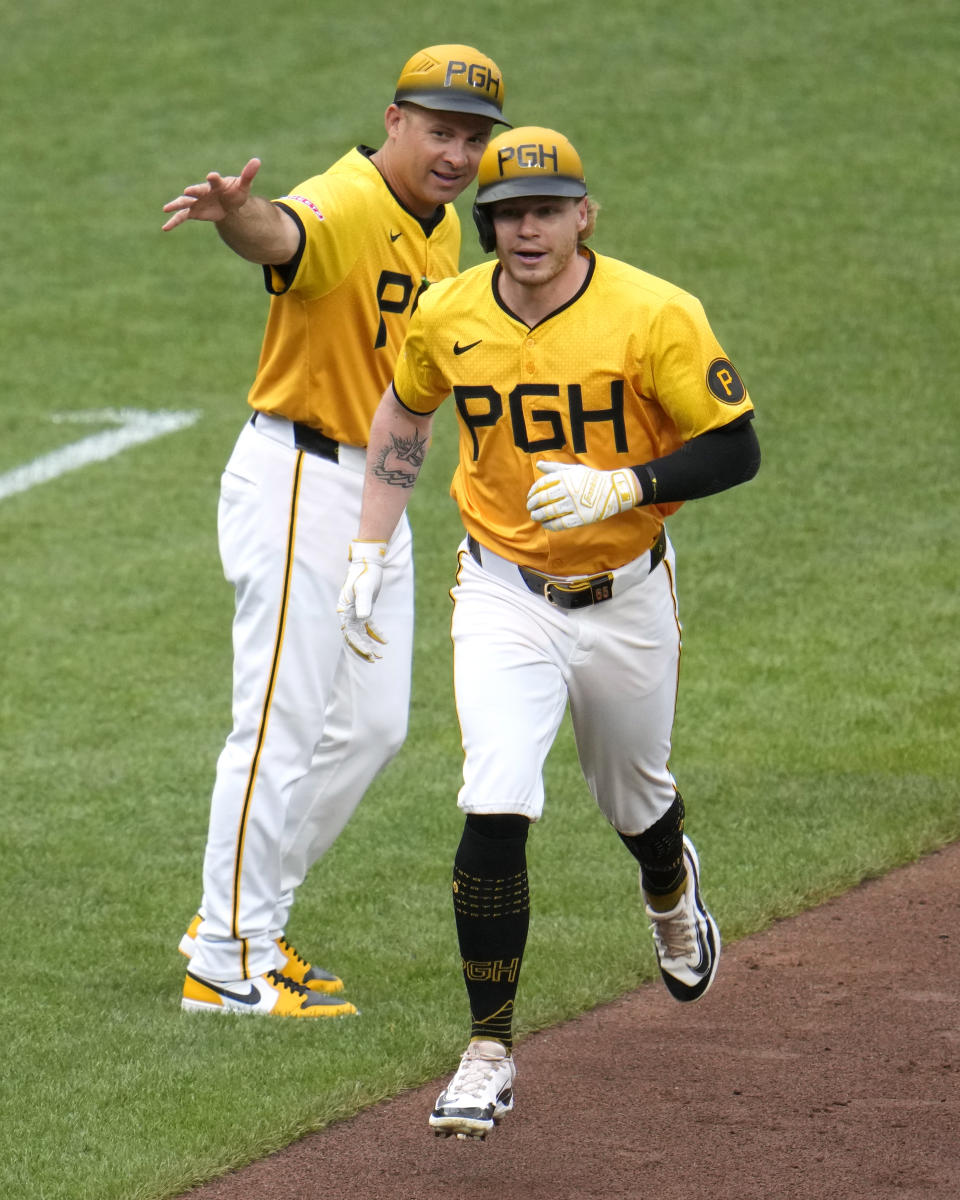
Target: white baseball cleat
x=686, y=937
x=479, y=1095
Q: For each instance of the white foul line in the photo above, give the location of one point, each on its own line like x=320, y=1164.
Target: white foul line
x=134, y=426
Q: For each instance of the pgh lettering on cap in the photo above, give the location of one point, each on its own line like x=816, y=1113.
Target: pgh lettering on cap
x=476, y=75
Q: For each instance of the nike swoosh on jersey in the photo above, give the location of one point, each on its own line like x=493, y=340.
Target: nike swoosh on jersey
x=394, y=236
x=458, y=349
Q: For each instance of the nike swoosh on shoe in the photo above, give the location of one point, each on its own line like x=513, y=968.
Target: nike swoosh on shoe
x=251, y=997
x=703, y=966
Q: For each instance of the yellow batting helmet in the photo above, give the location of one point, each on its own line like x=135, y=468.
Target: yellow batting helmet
x=453, y=78
x=527, y=161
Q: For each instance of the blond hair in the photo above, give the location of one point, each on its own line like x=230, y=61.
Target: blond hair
x=592, y=209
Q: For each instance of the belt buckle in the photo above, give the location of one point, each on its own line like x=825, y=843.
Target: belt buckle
x=581, y=592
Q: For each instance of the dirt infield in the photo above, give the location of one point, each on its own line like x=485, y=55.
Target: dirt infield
x=823, y=1063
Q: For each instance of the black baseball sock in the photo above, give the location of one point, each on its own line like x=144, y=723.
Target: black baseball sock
x=491, y=905
x=659, y=851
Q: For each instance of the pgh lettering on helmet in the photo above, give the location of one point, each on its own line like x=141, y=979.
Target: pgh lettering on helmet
x=529, y=155
x=453, y=78
x=527, y=161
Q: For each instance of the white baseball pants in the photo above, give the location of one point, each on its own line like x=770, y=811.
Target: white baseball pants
x=312, y=722
x=518, y=662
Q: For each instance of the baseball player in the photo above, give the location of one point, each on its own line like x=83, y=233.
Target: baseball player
x=346, y=256
x=593, y=399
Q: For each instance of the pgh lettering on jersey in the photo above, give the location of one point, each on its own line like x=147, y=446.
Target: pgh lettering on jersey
x=363, y=264
x=565, y=390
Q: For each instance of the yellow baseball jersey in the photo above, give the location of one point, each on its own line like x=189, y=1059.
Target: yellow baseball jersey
x=339, y=312
x=624, y=373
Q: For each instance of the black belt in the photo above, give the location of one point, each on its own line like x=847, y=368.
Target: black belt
x=592, y=589
x=311, y=441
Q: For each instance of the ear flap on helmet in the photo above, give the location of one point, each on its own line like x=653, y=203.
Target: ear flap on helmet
x=484, y=223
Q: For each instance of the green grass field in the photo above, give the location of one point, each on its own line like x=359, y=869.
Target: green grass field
x=790, y=166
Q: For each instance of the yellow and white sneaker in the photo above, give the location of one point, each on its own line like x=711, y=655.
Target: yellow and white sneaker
x=270, y=994
x=294, y=965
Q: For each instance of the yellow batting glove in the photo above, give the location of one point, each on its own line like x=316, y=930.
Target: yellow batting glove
x=358, y=596
x=570, y=494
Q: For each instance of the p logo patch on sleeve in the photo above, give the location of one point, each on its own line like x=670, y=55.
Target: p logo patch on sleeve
x=724, y=382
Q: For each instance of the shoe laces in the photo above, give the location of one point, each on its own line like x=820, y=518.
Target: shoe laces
x=474, y=1071
x=291, y=952
x=674, y=933
x=279, y=980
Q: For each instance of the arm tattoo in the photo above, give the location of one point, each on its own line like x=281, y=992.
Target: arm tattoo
x=399, y=463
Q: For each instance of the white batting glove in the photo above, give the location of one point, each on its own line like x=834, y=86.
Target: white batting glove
x=358, y=596
x=570, y=494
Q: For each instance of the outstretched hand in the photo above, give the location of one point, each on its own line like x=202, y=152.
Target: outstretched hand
x=214, y=199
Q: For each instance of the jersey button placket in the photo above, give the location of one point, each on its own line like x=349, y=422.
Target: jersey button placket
x=529, y=363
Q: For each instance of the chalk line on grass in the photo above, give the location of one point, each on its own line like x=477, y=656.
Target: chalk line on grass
x=133, y=427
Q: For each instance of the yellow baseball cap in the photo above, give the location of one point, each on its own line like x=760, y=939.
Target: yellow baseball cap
x=529, y=161
x=453, y=78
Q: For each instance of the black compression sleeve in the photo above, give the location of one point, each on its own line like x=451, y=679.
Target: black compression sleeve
x=710, y=463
